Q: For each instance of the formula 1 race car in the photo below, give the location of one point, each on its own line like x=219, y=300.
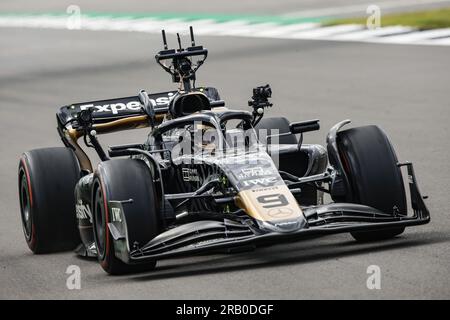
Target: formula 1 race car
x=206, y=178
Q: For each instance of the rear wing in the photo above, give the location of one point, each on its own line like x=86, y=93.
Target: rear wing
x=109, y=110
x=113, y=115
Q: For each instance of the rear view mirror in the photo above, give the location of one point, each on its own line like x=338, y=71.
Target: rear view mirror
x=304, y=126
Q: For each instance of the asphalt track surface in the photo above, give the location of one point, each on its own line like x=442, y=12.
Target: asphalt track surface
x=403, y=89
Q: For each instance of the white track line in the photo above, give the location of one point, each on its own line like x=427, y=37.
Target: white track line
x=199, y=25
x=332, y=11
x=251, y=30
x=441, y=42
x=365, y=34
x=281, y=31
x=241, y=28
x=146, y=25
x=154, y=26
x=325, y=31
x=174, y=26
x=34, y=22
x=215, y=27
x=416, y=36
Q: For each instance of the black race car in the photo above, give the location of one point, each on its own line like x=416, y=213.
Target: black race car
x=206, y=178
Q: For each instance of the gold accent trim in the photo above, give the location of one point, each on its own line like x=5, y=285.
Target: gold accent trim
x=248, y=201
x=134, y=122
x=83, y=159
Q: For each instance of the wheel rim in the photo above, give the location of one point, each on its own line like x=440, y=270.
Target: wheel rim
x=25, y=207
x=100, y=223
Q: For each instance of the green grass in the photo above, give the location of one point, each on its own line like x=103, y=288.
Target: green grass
x=423, y=20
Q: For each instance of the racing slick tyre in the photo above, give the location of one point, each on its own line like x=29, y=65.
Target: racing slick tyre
x=124, y=179
x=47, y=179
x=375, y=179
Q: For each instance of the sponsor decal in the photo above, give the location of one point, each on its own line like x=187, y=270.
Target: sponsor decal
x=116, y=214
x=257, y=176
x=264, y=181
x=287, y=224
x=117, y=108
x=83, y=211
x=255, y=172
x=113, y=108
x=264, y=189
x=190, y=175
x=278, y=213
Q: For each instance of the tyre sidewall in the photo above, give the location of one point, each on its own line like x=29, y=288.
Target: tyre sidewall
x=114, y=185
x=375, y=180
x=51, y=175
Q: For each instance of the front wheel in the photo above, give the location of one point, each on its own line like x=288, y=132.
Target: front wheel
x=375, y=179
x=124, y=179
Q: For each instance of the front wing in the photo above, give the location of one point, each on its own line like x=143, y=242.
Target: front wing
x=212, y=236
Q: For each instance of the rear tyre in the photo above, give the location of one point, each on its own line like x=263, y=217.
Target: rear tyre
x=375, y=179
x=123, y=179
x=47, y=179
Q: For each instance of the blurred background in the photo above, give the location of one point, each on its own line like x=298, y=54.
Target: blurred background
x=345, y=7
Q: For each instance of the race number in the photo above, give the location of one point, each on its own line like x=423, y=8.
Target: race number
x=273, y=200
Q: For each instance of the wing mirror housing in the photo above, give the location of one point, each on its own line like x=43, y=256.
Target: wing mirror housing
x=304, y=126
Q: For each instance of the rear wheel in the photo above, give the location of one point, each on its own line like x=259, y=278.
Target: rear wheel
x=47, y=179
x=124, y=179
x=375, y=179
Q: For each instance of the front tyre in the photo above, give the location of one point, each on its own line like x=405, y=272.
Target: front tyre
x=375, y=179
x=124, y=179
x=47, y=179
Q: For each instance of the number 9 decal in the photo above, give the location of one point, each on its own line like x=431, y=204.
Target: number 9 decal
x=273, y=200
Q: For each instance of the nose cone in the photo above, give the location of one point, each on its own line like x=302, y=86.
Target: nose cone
x=283, y=226
x=274, y=208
